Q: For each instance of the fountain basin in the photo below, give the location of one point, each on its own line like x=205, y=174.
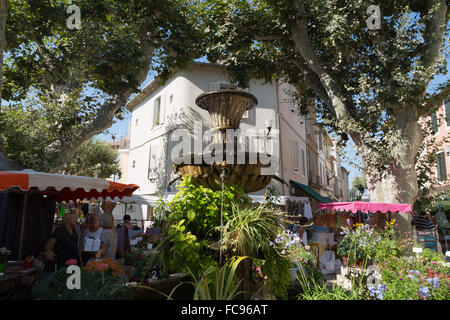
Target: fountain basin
x=247, y=175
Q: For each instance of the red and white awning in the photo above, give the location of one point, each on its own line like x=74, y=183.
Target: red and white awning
x=65, y=187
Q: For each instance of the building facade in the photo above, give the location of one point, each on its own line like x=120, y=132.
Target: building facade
x=440, y=129
x=158, y=110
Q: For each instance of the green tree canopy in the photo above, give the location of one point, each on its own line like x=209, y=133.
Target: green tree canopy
x=73, y=83
x=359, y=183
x=366, y=84
x=94, y=158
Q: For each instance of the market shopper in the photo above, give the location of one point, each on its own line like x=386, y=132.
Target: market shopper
x=108, y=237
x=93, y=231
x=108, y=206
x=423, y=222
x=63, y=244
x=300, y=230
x=123, y=238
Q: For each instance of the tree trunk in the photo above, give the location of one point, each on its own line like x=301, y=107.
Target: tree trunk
x=4, y=163
x=398, y=183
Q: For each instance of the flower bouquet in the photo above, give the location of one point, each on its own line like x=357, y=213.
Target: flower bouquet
x=148, y=241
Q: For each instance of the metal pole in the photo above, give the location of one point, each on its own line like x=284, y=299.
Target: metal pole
x=222, y=175
x=24, y=208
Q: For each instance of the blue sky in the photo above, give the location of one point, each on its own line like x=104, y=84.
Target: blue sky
x=120, y=128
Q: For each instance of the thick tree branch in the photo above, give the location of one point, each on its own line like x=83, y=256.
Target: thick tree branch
x=105, y=115
x=434, y=33
x=304, y=48
x=266, y=37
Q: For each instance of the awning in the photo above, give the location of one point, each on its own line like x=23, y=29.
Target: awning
x=65, y=187
x=366, y=207
x=311, y=192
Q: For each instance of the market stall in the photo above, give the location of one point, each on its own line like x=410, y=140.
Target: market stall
x=27, y=207
x=346, y=214
x=331, y=218
x=28, y=202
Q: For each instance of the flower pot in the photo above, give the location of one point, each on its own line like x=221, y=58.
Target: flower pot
x=293, y=274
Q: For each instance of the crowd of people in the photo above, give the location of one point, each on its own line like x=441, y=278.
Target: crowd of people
x=68, y=241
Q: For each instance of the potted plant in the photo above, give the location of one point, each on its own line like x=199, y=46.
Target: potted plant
x=4, y=253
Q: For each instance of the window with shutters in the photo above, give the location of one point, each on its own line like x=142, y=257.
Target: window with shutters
x=227, y=86
x=441, y=170
x=447, y=112
x=319, y=136
x=434, y=123
x=295, y=155
x=157, y=112
x=308, y=124
x=303, y=162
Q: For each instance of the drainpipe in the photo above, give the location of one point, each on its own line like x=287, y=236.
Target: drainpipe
x=279, y=135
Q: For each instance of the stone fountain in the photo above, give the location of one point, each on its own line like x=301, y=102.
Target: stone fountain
x=226, y=108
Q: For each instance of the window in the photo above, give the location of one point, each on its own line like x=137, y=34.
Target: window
x=295, y=154
x=308, y=124
x=308, y=154
x=441, y=170
x=434, y=123
x=134, y=163
x=320, y=140
x=227, y=86
x=137, y=122
x=152, y=162
x=447, y=112
x=157, y=112
x=171, y=98
x=303, y=162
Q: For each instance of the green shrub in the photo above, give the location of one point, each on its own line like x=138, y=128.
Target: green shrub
x=94, y=286
x=276, y=268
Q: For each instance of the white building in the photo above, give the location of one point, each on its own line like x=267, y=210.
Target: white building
x=160, y=109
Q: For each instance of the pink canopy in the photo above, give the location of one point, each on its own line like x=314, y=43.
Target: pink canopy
x=366, y=207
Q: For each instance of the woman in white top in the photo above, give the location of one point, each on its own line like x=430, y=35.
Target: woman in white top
x=94, y=231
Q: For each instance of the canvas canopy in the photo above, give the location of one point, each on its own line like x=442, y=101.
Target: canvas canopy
x=65, y=187
x=367, y=207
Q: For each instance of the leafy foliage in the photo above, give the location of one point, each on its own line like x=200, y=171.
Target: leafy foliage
x=94, y=286
x=200, y=207
x=74, y=83
x=276, y=269
x=216, y=283
x=366, y=84
x=248, y=229
x=94, y=159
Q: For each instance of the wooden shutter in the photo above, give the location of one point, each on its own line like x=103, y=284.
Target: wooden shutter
x=447, y=112
x=162, y=112
x=303, y=162
x=440, y=166
x=434, y=122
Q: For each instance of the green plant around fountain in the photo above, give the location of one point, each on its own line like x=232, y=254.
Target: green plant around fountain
x=192, y=233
